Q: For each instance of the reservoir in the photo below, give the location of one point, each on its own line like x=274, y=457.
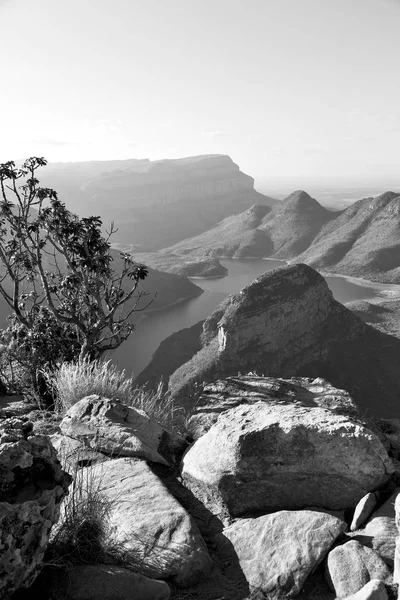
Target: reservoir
x=154, y=326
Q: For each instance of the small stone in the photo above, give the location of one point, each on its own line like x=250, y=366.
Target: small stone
x=363, y=510
x=373, y=590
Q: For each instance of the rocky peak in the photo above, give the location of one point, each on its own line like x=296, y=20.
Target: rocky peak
x=287, y=323
x=300, y=201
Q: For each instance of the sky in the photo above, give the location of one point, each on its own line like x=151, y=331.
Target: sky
x=306, y=88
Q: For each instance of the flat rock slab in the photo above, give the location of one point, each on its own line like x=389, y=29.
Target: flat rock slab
x=113, y=428
x=351, y=566
x=264, y=457
x=100, y=582
x=228, y=393
x=380, y=532
x=153, y=529
x=277, y=552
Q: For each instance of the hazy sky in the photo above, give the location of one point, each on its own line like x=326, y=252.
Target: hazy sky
x=285, y=87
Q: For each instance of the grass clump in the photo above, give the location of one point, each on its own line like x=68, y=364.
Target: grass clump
x=83, y=534
x=74, y=380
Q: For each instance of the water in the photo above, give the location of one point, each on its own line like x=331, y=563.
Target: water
x=154, y=327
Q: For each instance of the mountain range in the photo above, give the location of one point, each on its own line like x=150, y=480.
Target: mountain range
x=361, y=241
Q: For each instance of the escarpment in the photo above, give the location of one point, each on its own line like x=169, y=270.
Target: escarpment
x=158, y=202
x=287, y=323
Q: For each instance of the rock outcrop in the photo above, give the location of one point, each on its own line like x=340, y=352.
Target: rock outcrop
x=112, y=428
x=244, y=462
x=287, y=323
x=32, y=486
x=153, y=529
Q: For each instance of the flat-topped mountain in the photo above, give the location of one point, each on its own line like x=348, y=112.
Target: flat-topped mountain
x=287, y=323
x=364, y=241
x=282, y=231
x=156, y=203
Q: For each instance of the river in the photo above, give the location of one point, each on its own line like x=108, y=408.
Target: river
x=154, y=327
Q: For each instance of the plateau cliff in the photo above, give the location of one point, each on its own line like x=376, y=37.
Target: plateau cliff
x=157, y=203
x=287, y=323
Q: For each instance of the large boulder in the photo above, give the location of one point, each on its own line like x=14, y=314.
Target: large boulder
x=32, y=486
x=352, y=565
x=266, y=457
x=113, y=428
x=277, y=552
x=150, y=526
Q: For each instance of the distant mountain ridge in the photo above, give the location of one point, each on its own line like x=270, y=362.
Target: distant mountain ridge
x=362, y=240
x=156, y=203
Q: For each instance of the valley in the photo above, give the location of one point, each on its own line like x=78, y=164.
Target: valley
x=155, y=326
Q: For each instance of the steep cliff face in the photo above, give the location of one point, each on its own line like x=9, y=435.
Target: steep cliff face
x=287, y=323
x=157, y=203
x=164, y=181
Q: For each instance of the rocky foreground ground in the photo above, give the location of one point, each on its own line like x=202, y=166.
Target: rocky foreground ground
x=285, y=491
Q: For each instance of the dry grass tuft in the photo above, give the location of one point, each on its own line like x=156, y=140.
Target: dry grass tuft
x=83, y=534
x=73, y=381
